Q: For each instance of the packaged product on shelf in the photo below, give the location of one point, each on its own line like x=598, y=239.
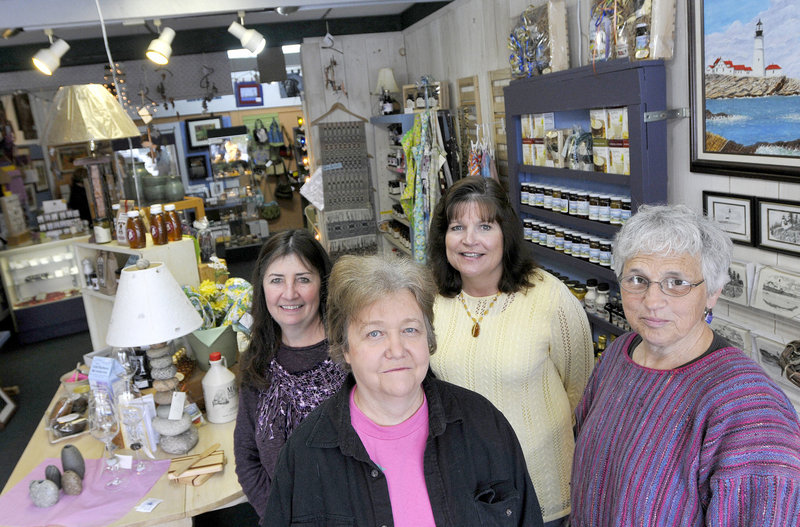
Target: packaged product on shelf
x=602, y=30
x=542, y=122
x=540, y=156
x=655, y=29
x=601, y=153
x=554, y=145
x=527, y=152
x=598, y=120
x=527, y=126
x=539, y=42
x=619, y=160
x=617, y=126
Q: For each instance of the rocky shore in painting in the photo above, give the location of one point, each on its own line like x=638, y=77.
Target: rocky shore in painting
x=728, y=86
x=717, y=143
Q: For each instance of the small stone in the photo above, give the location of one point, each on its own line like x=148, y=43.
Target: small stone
x=71, y=459
x=43, y=493
x=172, y=427
x=164, y=373
x=162, y=411
x=161, y=362
x=164, y=385
x=180, y=444
x=154, y=353
x=73, y=484
x=162, y=398
x=53, y=474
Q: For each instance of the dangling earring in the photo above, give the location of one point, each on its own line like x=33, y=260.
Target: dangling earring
x=709, y=315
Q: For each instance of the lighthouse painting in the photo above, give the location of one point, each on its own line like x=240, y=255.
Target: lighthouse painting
x=745, y=77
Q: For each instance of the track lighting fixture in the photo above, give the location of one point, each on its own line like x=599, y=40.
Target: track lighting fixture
x=286, y=10
x=160, y=48
x=47, y=60
x=250, y=38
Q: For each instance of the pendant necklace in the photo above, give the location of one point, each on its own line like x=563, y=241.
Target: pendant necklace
x=476, y=327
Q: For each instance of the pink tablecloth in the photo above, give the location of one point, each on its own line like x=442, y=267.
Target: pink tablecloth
x=95, y=506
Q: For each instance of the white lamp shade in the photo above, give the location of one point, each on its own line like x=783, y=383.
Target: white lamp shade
x=47, y=60
x=250, y=38
x=86, y=112
x=160, y=48
x=150, y=307
x=386, y=81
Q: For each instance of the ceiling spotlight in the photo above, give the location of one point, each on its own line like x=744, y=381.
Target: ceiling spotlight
x=250, y=38
x=286, y=10
x=160, y=48
x=47, y=60
x=11, y=32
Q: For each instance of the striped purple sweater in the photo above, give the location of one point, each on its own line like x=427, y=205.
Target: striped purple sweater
x=714, y=442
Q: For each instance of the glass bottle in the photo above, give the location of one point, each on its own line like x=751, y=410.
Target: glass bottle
x=158, y=227
x=591, y=294
x=102, y=230
x=134, y=231
x=173, y=223
x=601, y=300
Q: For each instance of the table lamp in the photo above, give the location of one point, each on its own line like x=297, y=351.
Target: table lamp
x=384, y=87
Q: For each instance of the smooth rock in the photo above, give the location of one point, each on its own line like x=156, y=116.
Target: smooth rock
x=72, y=459
x=43, y=493
x=180, y=444
x=162, y=411
x=154, y=353
x=161, y=362
x=53, y=474
x=169, y=427
x=165, y=385
x=162, y=398
x=164, y=373
x=72, y=482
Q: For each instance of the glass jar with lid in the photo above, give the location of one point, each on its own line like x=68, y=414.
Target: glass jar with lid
x=601, y=300
x=604, y=210
x=605, y=253
x=568, y=242
x=626, y=210
x=582, y=208
x=615, y=210
x=538, y=195
x=591, y=294
x=566, y=195
x=573, y=203
x=559, y=240
x=551, y=236
x=547, y=202
x=527, y=228
x=594, y=249
x=556, y=199
x=524, y=193
x=594, y=207
x=585, y=246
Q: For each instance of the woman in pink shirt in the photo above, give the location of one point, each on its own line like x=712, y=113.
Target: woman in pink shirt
x=396, y=446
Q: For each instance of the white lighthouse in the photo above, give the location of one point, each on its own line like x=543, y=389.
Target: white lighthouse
x=758, y=51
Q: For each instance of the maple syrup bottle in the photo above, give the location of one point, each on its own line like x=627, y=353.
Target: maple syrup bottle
x=173, y=223
x=134, y=231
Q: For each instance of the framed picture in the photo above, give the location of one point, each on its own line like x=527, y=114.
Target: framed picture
x=217, y=189
x=41, y=175
x=197, y=167
x=777, y=291
x=767, y=351
x=737, y=290
x=779, y=225
x=733, y=213
x=7, y=408
x=743, y=118
x=197, y=130
x=737, y=335
x=249, y=94
x=30, y=195
x=68, y=155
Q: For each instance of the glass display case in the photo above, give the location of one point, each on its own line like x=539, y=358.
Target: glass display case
x=38, y=279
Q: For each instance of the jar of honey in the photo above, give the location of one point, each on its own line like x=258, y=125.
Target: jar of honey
x=134, y=231
x=158, y=227
x=173, y=223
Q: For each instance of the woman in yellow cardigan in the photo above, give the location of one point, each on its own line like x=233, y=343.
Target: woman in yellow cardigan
x=509, y=331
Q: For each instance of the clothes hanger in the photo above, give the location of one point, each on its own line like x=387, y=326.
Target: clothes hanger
x=338, y=106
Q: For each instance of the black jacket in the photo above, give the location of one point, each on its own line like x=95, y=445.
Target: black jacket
x=474, y=468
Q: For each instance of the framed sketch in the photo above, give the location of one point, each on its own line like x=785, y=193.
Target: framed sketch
x=733, y=213
x=737, y=335
x=7, y=408
x=767, y=351
x=737, y=290
x=30, y=195
x=197, y=130
x=777, y=291
x=68, y=155
x=779, y=225
x=217, y=189
x=41, y=175
x=741, y=73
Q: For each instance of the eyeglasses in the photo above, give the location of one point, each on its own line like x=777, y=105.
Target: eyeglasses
x=669, y=286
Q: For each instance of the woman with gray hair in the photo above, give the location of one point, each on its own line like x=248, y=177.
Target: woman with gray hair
x=677, y=427
x=396, y=446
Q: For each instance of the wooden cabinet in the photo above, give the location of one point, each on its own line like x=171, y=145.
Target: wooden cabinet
x=179, y=257
x=638, y=87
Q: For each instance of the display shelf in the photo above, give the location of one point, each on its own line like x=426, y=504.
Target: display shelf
x=179, y=257
x=602, y=324
x=33, y=289
x=573, y=222
x=576, y=175
x=391, y=239
x=396, y=170
x=580, y=264
x=401, y=219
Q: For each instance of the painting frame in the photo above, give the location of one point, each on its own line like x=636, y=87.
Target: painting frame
x=776, y=231
x=777, y=291
x=195, y=127
x=750, y=165
x=68, y=155
x=42, y=182
x=737, y=289
x=738, y=222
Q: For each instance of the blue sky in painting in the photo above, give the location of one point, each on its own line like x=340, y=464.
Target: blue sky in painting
x=729, y=27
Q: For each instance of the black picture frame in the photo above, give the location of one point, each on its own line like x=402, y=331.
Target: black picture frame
x=779, y=225
x=716, y=154
x=734, y=214
x=196, y=130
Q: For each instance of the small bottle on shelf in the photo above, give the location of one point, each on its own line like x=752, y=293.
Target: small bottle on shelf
x=172, y=223
x=601, y=300
x=102, y=230
x=134, y=231
x=591, y=295
x=158, y=228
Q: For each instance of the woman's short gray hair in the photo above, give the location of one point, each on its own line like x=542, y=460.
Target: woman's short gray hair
x=675, y=230
x=357, y=282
